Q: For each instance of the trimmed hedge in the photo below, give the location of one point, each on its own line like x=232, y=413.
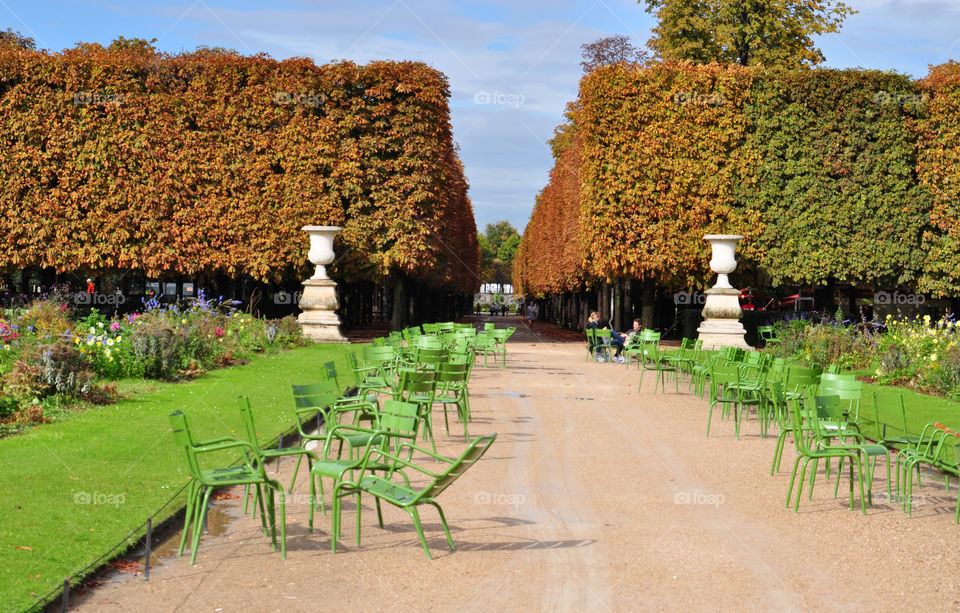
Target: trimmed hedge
x=939, y=172
x=209, y=163
x=831, y=175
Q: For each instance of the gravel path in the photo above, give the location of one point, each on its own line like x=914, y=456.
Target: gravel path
x=594, y=497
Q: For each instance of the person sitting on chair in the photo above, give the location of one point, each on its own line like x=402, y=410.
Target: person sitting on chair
x=616, y=339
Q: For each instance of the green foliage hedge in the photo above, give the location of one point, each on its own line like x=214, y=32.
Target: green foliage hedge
x=846, y=175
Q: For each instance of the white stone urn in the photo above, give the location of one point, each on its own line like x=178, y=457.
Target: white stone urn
x=318, y=300
x=321, y=248
x=721, y=325
x=724, y=260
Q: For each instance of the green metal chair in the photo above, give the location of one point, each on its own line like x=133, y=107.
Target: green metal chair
x=369, y=377
x=319, y=401
x=452, y=389
x=935, y=450
x=768, y=335
x=250, y=435
x=203, y=482
x=653, y=360
x=807, y=451
x=402, y=494
x=485, y=344
x=501, y=335
x=723, y=379
x=420, y=388
x=412, y=332
x=396, y=420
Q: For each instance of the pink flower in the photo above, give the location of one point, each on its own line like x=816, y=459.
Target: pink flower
x=115, y=326
x=219, y=332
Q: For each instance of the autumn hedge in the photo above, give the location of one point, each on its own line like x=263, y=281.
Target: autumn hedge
x=828, y=173
x=209, y=163
x=939, y=172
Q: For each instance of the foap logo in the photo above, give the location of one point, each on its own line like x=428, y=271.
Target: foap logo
x=97, y=299
x=498, y=498
x=99, y=498
x=896, y=298
x=698, y=99
x=699, y=498
x=89, y=98
x=883, y=97
x=687, y=298
x=916, y=500
x=499, y=98
x=285, y=298
x=311, y=98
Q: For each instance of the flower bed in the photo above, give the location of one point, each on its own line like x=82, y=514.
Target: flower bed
x=51, y=360
x=919, y=352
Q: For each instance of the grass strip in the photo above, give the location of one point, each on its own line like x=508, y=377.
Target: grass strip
x=78, y=487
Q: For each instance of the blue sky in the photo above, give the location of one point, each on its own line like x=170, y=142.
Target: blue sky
x=512, y=65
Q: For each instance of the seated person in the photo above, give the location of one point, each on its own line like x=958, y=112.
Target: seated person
x=616, y=339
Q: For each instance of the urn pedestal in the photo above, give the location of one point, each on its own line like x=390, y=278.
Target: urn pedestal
x=318, y=300
x=721, y=325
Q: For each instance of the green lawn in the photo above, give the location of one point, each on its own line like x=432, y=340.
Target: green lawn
x=921, y=409
x=75, y=488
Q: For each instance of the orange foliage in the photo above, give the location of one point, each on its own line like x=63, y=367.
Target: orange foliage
x=210, y=162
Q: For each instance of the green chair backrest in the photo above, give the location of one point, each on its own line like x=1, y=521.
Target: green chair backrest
x=650, y=336
x=489, y=326
x=430, y=328
x=184, y=440
x=468, y=458
x=411, y=332
x=416, y=382
x=797, y=376
x=246, y=421
x=452, y=372
x=428, y=342
x=314, y=396
x=399, y=417
x=432, y=357
x=379, y=356
x=329, y=373
x=445, y=326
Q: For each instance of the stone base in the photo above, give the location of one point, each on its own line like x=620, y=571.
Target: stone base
x=319, y=321
x=717, y=333
x=721, y=326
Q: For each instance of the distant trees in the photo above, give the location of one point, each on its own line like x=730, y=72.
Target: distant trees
x=745, y=32
x=611, y=50
x=498, y=248
x=12, y=38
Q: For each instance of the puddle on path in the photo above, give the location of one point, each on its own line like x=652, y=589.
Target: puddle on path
x=166, y=542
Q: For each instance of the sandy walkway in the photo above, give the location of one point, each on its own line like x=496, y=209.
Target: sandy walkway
x=594, y=497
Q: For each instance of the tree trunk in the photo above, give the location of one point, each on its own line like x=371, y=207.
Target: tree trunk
x=400, y=303
x=648, y=298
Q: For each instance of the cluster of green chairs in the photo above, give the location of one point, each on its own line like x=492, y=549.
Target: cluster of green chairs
x=374, y=430
x=938, y=447
x=821, y=413
x=488, y=342
x=644, y=349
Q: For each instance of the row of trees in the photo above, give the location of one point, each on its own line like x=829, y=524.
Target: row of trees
x=832, y=175
x=208, y=163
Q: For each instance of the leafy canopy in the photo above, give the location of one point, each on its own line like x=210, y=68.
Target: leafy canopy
x=745, y=32
x=498, y=247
